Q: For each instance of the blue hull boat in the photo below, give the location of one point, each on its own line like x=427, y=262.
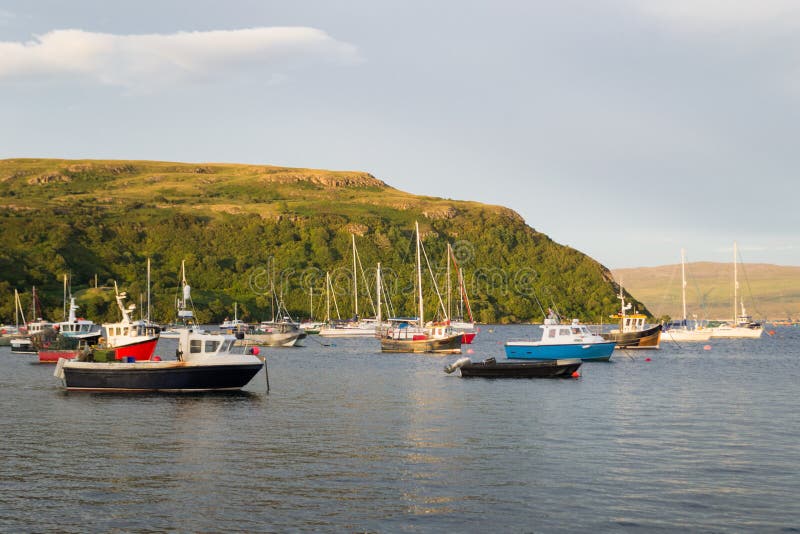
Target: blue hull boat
x=534, y=350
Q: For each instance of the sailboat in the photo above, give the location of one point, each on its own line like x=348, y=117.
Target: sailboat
x=404, y=336
x=36, y=326
x=467, y=328
x=236, y=323
x=681, y=331
x=742, y=325
x=355, y=327
x=632, y=333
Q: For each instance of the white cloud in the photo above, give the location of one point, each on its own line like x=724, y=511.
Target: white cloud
x=142, y=61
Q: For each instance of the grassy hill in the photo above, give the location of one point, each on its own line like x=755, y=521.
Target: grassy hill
x=238, y=226
x=770, y=291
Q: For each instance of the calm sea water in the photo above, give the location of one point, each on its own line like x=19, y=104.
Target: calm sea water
x=350, y=439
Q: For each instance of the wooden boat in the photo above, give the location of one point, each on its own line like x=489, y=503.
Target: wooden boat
x=491, y=368
x=205, y=362
x=633, y=333
x=422, y=337
x=560, y=341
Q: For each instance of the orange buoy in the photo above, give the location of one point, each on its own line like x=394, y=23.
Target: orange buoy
x=470, y=351
x=576, y=374
x=771, y=332
x=707, y=347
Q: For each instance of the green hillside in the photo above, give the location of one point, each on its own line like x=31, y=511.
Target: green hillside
x=770, y=291
x=235, y=224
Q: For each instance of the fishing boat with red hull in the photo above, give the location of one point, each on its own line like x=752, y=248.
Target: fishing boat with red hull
x=136, y=338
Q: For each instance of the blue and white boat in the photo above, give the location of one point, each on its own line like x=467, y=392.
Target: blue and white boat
x=562, y=341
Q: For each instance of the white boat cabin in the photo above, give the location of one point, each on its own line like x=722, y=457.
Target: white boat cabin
x=555, y=333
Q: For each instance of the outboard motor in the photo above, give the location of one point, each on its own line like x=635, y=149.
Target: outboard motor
x=456, y=364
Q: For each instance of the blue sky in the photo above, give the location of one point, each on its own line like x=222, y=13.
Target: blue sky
x=624, y=128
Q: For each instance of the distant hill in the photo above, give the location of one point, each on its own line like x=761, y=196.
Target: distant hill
x=770, y=291
x=236, y=225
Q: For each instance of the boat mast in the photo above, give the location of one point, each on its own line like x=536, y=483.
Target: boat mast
x=311, y=303
x=378, y=291
x=735, y=282
x=355, y=277
x=419, y=279
x=327, y=297
x=148, y=290
x=683, y=284
x=449, y=302
x=65, y=296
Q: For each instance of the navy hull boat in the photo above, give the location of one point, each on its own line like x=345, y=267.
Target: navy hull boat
x=490, y=368
x=205, y=362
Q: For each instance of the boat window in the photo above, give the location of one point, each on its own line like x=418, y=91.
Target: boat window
x=563, y=332
x=226, y=346
x=211, y=346
x=552, y=333
x=576, y=330
x=195, y=346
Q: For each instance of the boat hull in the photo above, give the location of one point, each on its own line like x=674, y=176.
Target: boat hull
x=52, y=356
x=686, y=336
x=275, y=340
x=156, y=376
x=534, y=369
x=467, y=337
x=644, y=339
x=737, y=332
x=141, y=350
x=590, y=352
x=448, y=345
x=347, y=332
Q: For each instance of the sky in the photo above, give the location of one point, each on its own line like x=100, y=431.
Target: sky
x=627, y=129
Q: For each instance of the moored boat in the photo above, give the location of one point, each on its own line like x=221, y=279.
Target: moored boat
x=562, y=341
x=130, y=338
x=633, y=332
x=282, y=333
x=683, y=331
x=206, y=362
x=491, y=368
x=422, y=337
x=742, y=325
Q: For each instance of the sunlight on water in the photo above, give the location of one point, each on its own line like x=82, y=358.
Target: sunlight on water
x=351, y=439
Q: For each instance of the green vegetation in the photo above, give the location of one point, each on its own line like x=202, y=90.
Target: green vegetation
x=236, y=224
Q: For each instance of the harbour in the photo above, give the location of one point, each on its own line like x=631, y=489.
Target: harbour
x=349, y=438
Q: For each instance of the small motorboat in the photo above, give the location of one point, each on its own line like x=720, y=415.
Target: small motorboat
x=490, y=368
x=205, y=362
x=562, y=341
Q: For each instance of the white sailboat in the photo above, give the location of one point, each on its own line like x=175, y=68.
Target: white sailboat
x=683, y=332
x=742, y=325
x=357, y=327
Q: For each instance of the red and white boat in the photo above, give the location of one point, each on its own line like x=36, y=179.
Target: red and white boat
x=465, y=328
x=131, y=338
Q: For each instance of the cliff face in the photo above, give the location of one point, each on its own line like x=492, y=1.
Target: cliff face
x=243, y=229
